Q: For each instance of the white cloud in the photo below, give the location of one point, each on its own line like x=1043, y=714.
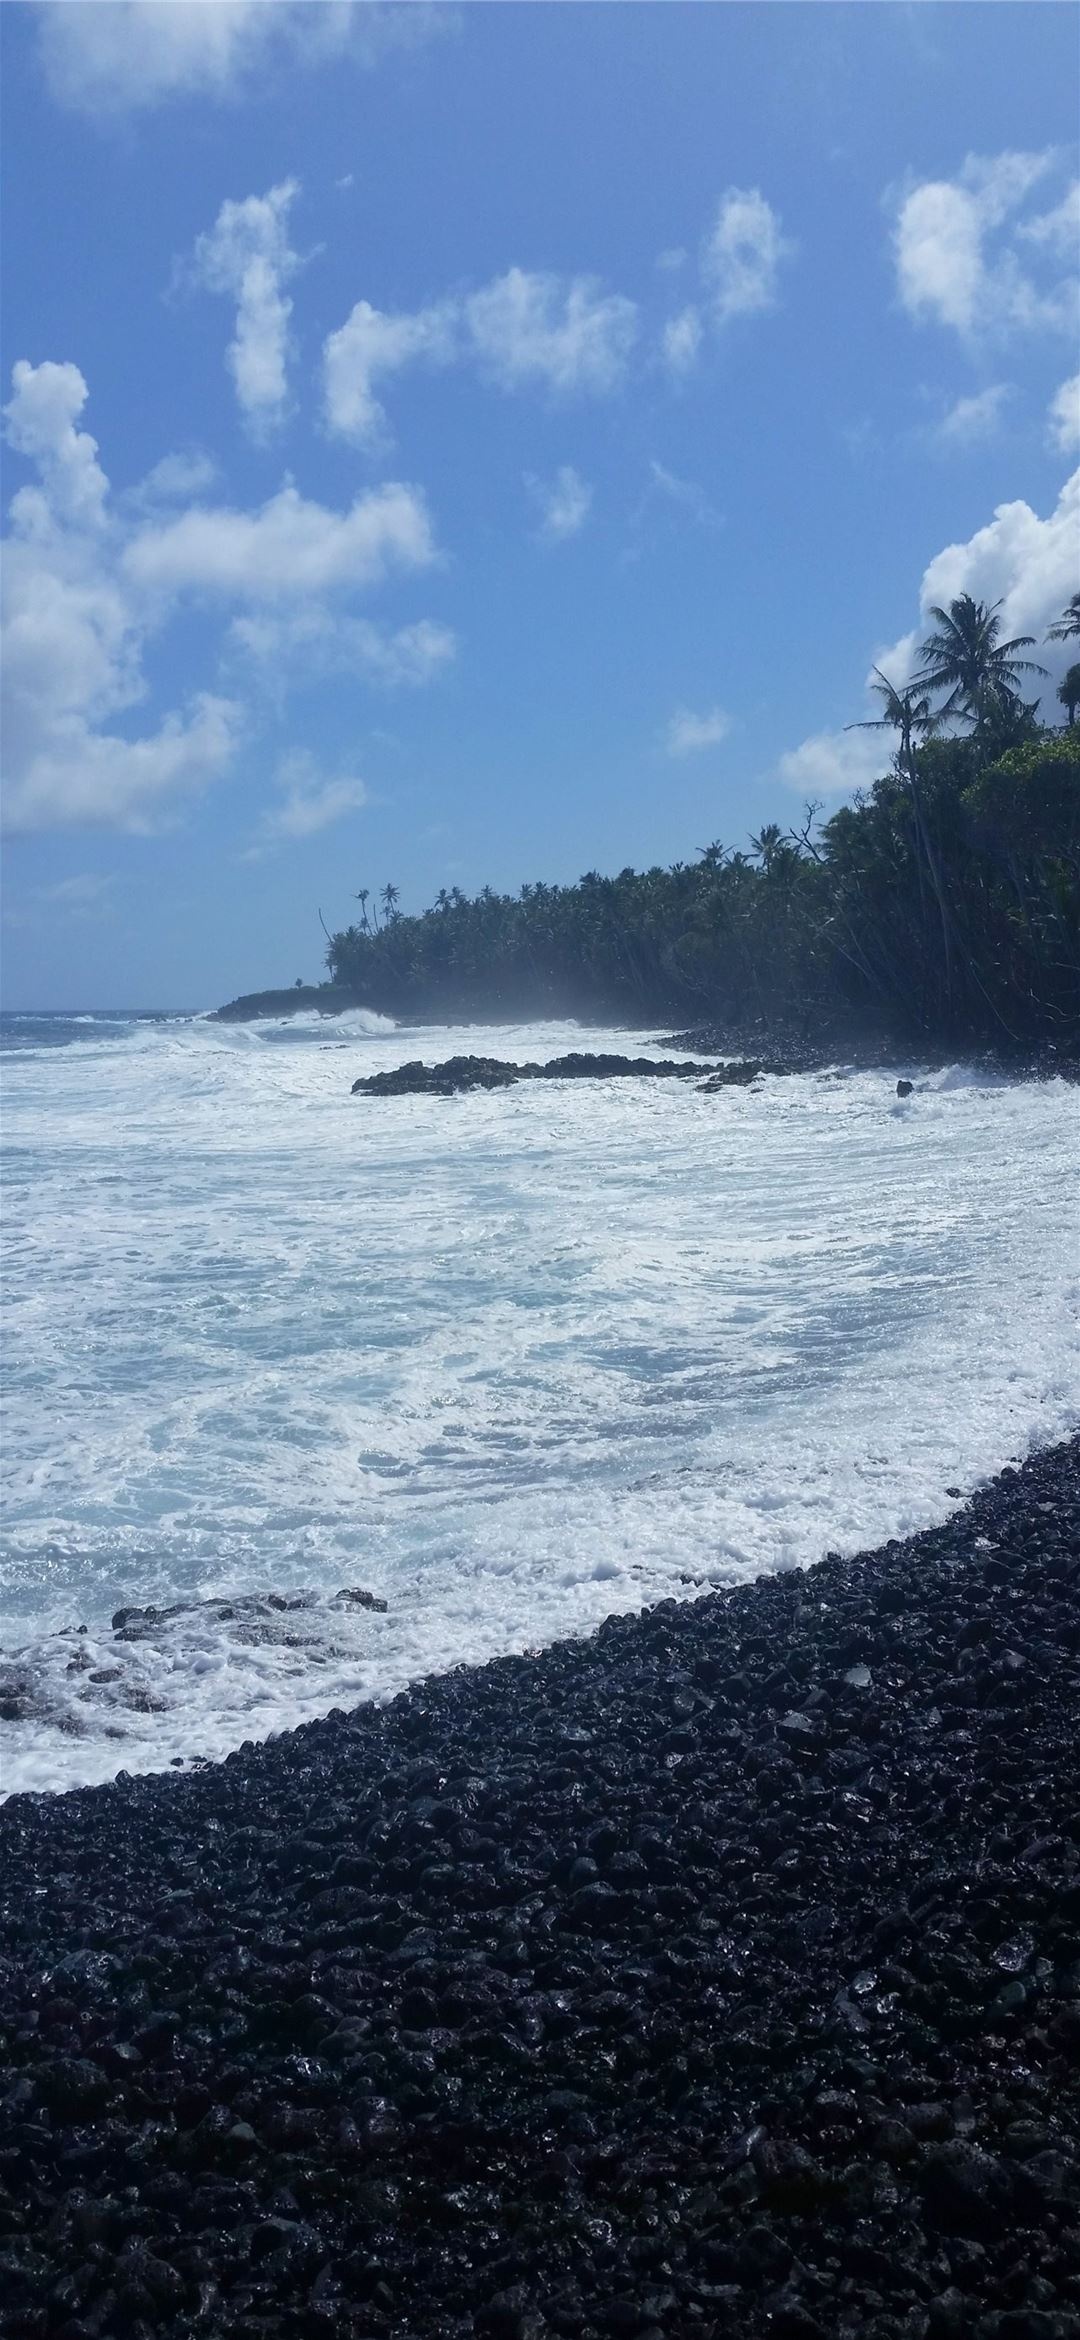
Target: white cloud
x=73, y=640
x=108, y=57
x=310, y=642
x=564, y=503
x=687, y=733
x=310, y=802
x=681, y=340
x=742, y=255
x=835, y=763
x=1064, y=417
x=1027, y=564
x=539, y=327
x=41, y=419
x=1059, y=228
x=959, y=247
x=247, y=253
x=175, y=478
x=84, y=779
x=369, y=345
x=85, y=581
x=558, y=332
x=973, y=420
x=287, y=549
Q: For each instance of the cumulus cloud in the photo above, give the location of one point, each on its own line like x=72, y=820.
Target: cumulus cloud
x=84, y=779
x=175, y=478
x=1027, y=564
x=41, y=418
x=687, y=733
x=86, y=580
x=681, y=340
x=742, y=256
x=371, y=344
x=523, y=329
x=110, y=57
x=288, y=548
x=310, y=802
x=312, y=641
x=73, y=640
x=564, y=503
x=538, y=327
x=834, y=763
x=1064, y=417
x=965, y=259
x=971, y=421
x=247, y=254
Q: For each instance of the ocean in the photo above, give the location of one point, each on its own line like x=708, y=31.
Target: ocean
x=506, y=1362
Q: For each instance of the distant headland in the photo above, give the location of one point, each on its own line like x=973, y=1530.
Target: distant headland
x=324, y=999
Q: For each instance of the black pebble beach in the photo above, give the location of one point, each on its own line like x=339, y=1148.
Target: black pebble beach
x=716, y=1976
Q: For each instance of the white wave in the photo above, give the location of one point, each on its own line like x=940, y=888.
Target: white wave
x=512, y=1360
x=357, y=1022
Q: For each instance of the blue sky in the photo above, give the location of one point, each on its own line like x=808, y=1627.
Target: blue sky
x=471, y=446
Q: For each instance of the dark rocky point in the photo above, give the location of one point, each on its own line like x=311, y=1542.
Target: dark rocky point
x=323, y=999
x=460, y=1073
x=717, y=1976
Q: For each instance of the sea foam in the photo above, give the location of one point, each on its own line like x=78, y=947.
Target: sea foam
x=511, y=1361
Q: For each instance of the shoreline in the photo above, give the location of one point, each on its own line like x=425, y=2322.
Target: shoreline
x=864, y=1047
x=717, y=1974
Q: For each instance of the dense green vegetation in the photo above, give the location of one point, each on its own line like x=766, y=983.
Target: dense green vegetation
x=944, y=902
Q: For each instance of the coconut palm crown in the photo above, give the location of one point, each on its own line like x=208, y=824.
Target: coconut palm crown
x=908, y=712
x=1067, y=624
x=966, y=658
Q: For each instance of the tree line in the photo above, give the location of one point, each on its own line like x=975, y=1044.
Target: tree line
x=942, y=903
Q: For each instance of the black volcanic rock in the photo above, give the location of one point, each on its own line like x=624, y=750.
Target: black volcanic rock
x=460, y=1073
x=718, y=1975
x=323, y=999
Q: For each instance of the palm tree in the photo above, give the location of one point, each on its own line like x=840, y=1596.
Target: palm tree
x=1067, y=624
x=363, y=897
x=1069, y=693
x=965, y=657
x=768, y=845
x=910, y=713
x=907, y=711
x=389, y=898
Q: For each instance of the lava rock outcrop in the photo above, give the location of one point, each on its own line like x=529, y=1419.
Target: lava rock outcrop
x=460, y=1073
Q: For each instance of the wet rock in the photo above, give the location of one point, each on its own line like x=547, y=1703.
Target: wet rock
x=461, y=1073
x=737, y=1076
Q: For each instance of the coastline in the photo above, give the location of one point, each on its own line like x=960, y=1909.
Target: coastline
x=836, y=1039
x=717, y=1974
